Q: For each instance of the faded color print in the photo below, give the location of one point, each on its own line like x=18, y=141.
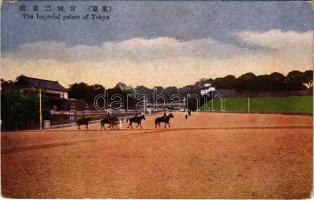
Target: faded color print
x=156, y=99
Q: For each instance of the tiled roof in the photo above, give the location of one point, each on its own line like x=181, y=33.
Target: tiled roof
x=39, y=83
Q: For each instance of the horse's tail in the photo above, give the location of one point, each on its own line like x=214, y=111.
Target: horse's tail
x=156, y=122
x=127, y=120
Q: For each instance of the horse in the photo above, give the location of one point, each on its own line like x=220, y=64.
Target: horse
x=112, y=121
x=83, y=121
x=164, y=119
x=137, y=120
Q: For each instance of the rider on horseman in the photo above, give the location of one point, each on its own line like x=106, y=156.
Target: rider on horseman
x=109, y=116
x=136, y=115
x=165, y=115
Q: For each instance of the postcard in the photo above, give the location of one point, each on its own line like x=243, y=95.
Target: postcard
x=156, y=99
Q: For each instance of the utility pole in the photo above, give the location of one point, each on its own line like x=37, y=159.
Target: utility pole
x=106, y=99
x=40, y=112
x=248, y=104
x=212, y=100
x=145, y=106
x=184, y=103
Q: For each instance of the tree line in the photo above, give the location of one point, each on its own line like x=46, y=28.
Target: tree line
x=294, y=80
x=21, y=110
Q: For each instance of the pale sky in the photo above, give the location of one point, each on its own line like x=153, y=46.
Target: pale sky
x=159, y=43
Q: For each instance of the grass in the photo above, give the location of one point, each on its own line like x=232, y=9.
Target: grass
x=291, y=104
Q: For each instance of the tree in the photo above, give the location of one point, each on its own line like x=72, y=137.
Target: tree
x=21, y=110
x=247, y=81
x=170, y=91
x=6, y=85
x=273, y=82
x=295, y=80
x=203, y=81
x=84, y=91
x=277, y=81
x=227, y=82
x=308, y=79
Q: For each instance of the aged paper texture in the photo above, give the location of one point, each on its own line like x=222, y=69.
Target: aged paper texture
x=156, y=99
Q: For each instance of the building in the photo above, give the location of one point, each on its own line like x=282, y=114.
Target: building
x=49, y=88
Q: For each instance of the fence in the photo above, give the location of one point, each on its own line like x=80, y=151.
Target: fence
x=62, y=119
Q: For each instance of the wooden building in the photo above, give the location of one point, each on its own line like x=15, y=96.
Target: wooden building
x=49, y=88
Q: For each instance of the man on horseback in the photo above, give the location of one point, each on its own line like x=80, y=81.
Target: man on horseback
x=136, y=119
x=165, y=119
x=83, y=121
x=165, y=115
x=110, y=119
x=136, y=116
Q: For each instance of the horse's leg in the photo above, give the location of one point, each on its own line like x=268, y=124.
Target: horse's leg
x=115, y=126
x=78, y=126
x=169, y=124
x=130, y=125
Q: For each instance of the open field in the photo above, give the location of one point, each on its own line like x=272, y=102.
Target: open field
x=210, y=155
x=291, y=104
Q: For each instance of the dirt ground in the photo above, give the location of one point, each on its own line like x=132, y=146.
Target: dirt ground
x=210, y=155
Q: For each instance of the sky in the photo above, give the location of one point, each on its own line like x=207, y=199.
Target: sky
x=165, y=43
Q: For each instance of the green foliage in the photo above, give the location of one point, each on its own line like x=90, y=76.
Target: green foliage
x=291, y=104
x=21, y=110
x=85, y=91
x=295, y=80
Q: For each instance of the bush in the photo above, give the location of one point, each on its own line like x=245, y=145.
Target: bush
x=21, y=110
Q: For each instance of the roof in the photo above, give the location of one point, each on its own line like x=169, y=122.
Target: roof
x=39, y=83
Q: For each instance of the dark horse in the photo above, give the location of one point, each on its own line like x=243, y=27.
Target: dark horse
x=83, y=121
x=112, y=121
x=137, y=120
x=164, y=119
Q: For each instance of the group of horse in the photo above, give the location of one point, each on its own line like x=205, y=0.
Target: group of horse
x=115, y=122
